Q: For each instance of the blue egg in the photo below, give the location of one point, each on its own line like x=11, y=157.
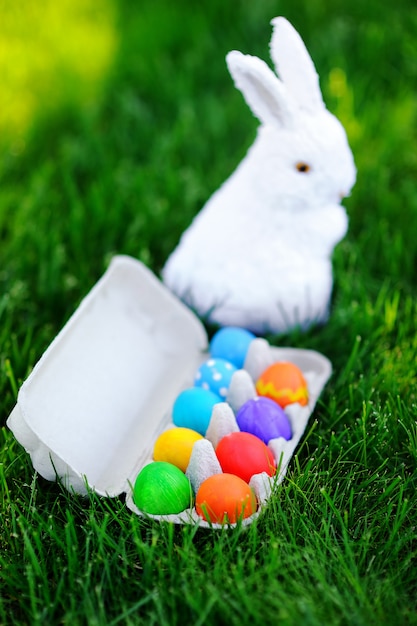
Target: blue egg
x=215, y=375
x=193, y=408
x=231, y=343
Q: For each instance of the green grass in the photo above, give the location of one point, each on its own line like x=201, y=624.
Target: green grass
x=124, y=172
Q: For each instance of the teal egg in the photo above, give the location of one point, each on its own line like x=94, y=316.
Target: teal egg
x=231, y=343
x=162, y=489
x=193, y=408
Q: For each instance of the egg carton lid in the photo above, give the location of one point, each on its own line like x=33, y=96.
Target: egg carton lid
x=94, y=404
x=96, y=400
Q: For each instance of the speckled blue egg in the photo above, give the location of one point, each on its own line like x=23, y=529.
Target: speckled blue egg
x=193, y=408
x=215, y=375
x=264, y=418
x=231, y=343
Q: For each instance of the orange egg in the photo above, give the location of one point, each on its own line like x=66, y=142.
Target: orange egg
x=283, y=382
x=175, y=446
x=224, y=499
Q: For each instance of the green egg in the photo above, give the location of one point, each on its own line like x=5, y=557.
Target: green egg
x=162, y=489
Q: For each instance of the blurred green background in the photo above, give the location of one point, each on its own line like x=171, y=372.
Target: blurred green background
x=51, y=54
x=118, y=120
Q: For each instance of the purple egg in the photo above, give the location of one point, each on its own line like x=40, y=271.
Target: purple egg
x=264, y=418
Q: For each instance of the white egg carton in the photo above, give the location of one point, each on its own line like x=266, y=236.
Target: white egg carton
x=94, y=404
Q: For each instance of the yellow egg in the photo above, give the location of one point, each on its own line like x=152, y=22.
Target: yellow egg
x=175, y=446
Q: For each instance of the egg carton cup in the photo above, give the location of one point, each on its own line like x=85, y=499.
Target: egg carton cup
x=103, y=391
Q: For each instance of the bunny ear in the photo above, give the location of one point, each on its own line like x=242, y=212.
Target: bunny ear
x=264, y=93
x=294, y=65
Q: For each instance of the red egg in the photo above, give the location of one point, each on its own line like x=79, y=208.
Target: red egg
x=224, y=499
x=244, y=455
x=284, y=383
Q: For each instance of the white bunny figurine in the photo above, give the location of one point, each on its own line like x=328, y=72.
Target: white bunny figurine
x=258, y=255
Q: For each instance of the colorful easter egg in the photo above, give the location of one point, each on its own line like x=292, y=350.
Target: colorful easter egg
x=193, y=408
x=175, y=446
x=215, y=375
x=225, y=499
x=244, y=455
x=231, y=343
x=264, y=418
x=162, y=489
x=284, y=383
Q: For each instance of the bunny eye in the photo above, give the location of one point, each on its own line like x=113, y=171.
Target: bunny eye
x=303, y=167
